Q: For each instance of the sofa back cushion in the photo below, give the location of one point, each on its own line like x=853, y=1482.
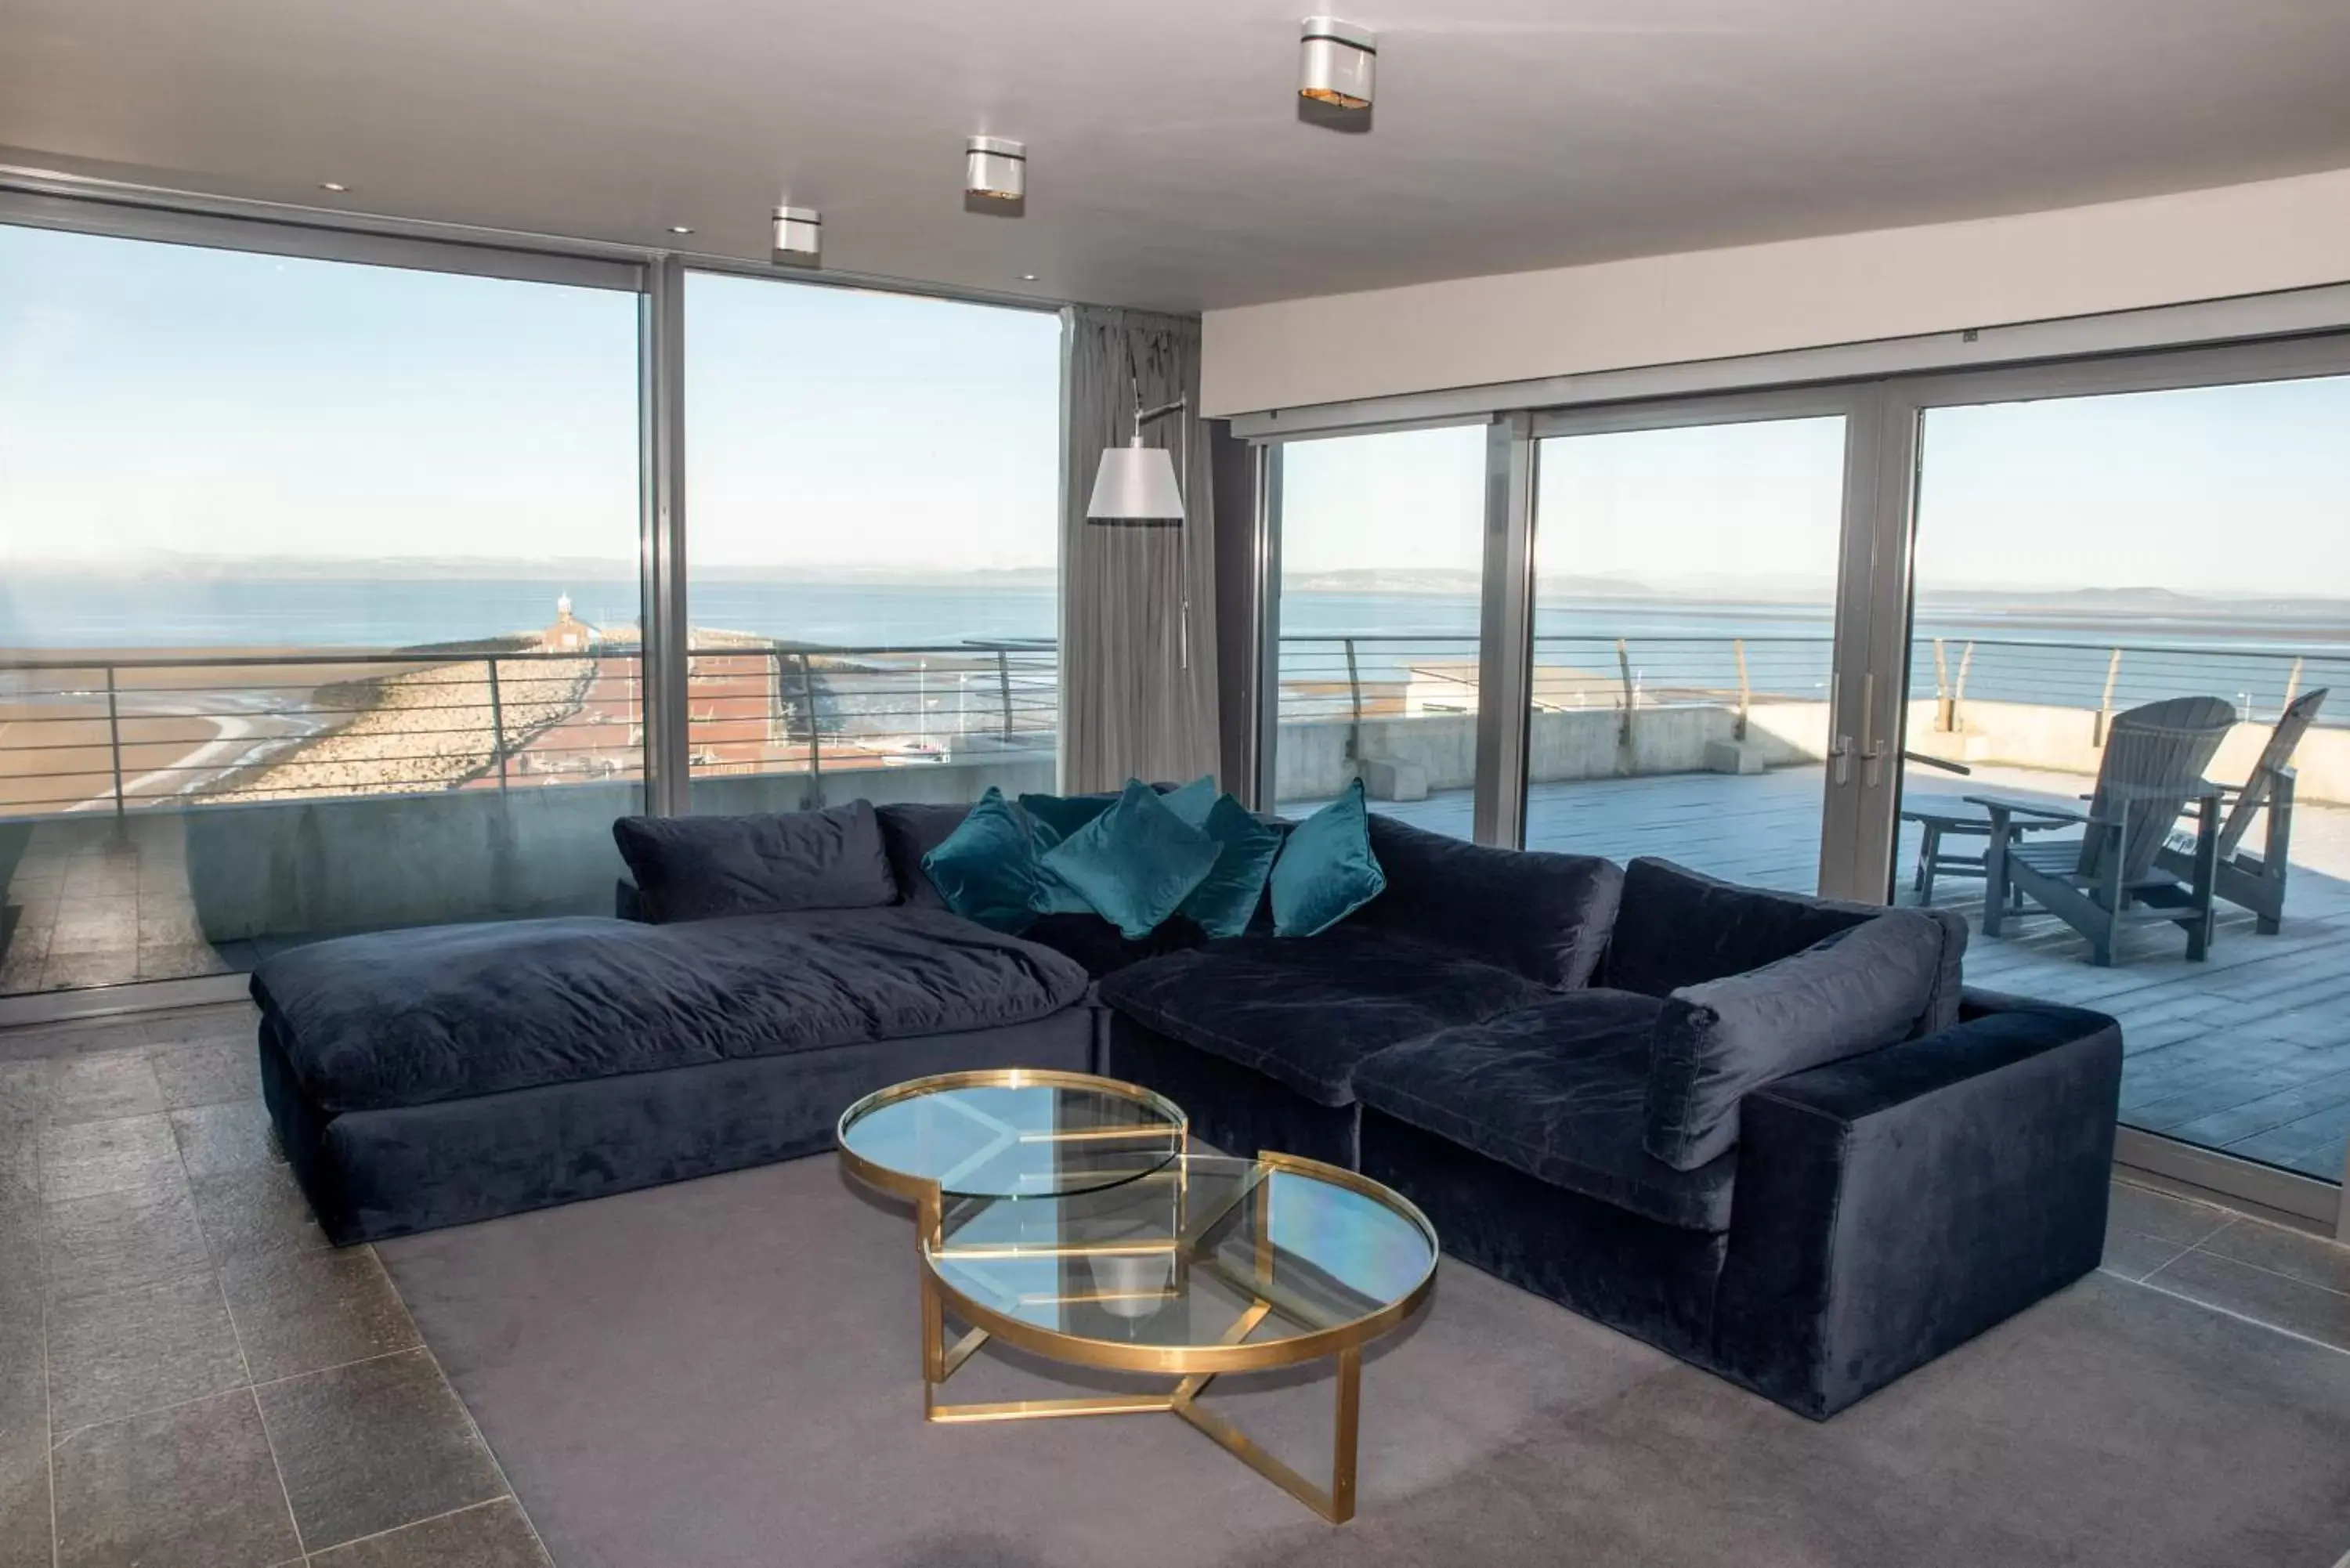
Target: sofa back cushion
x=699, y=868
x=1543, y=916
x=909, y=832
x=1854, y=990
x=1678, y=928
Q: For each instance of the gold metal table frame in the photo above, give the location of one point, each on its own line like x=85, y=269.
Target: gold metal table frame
x=1195, y=1366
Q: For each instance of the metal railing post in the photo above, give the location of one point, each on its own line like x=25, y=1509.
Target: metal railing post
x=1631, y=696
x=497, y=725
x=1004, y=687
x=1355, y=703
x=2291, y=684
x=2105, y=702
x=1945, y=709
x=1745, y=688
x=815, y=734
x=1959, y=689
x=114, y=740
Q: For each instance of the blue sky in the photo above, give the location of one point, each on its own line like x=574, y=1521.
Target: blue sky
x=158, y=398
x=172, y=399
x=2224, y=489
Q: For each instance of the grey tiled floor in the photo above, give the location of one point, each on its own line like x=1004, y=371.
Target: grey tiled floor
x=189, y=1375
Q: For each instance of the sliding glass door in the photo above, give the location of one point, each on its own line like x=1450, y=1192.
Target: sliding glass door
x=1375, y=656
x=1683, y=643
x=2131, y=642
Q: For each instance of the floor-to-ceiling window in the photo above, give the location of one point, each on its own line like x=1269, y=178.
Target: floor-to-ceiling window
x=872, y=486
x=1382, y=560
x=319, y=601
x=1684, y=595
x=2118, y=598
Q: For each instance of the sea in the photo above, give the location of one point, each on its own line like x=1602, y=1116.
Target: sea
x=2027, y=650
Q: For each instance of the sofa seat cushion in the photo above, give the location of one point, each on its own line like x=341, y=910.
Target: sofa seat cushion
x=1303, y=1010
x=446, y=1012
x=1558, y=1092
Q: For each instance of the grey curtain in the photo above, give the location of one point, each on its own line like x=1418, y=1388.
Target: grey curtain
x=1130, y=707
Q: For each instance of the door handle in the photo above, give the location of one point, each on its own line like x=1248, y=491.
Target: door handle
x=1872, y=750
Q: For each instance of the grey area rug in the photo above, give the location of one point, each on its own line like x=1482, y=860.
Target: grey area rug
x=723, y=1373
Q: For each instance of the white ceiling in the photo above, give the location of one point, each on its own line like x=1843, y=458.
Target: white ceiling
x=1169, y=165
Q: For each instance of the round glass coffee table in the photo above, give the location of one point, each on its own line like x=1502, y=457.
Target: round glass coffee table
x=1132, y=1256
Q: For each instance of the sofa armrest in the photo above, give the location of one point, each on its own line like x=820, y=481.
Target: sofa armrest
x=629, y=902
x=1545, y=916
x=1893, y=1205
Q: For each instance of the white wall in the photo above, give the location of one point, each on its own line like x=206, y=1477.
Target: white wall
x=1798, y=293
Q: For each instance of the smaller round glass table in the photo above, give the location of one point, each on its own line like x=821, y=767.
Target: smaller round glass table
x=1010, y=1134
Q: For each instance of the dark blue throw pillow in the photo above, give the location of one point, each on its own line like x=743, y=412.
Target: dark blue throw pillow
x=698, y=868
x=1855, y=991
x=1326, y=870
x=1135, y=864
x=1223, y=904
x=986, y=868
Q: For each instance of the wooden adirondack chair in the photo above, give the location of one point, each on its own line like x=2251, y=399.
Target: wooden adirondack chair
x=2255, y=882
x=2106, y=876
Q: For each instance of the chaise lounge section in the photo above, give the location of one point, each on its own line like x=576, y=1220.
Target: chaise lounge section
x=435, y=1077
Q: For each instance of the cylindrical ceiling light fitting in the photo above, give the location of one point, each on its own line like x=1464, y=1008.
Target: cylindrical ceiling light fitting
x=996, y=169
x=799, y=236
x=1336, y=61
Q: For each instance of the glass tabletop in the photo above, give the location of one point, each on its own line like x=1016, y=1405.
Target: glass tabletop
x=1207, y=1251
x=1012, y=1134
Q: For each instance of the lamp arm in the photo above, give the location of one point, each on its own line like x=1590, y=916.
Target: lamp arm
x=1144, y=416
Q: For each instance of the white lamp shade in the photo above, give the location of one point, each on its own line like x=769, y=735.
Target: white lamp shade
x=1135, y=484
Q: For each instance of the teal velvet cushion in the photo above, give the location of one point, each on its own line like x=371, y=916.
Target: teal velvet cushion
x=1056, y=816
x=1325, y=871
x=1195, y=801
x=1223, y=904
x=1135, y=862
x=986, y=870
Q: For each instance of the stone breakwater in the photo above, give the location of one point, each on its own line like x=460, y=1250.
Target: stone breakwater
x=420, y=730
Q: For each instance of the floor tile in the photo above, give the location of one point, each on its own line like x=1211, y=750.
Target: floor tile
x=217, y=1138
x=98, y=1088
x=116, y=1355
x=24, y=1394
x=2304, y=1309
x=494, y=1535
x=118, y=1239
x=2133, y=1256
x=207, y=1072
x=194, y=1484
x=300, y=1312
x=24, y=1497
x=90, y=1158
x=368, y=1448
x=2163, y=1218
x=2293, y=1254
x=248, y=1213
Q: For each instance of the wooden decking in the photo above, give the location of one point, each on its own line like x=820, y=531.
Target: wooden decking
x=2248, y=1052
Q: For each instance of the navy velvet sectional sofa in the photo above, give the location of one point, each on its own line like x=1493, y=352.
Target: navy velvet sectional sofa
x=1768, y=1133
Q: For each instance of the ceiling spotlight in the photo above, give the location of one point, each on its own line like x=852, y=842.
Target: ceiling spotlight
x=337, y=186
x=799, y=236
x=1027, y=277
x=681, y=228
x=996, y=169
x=1336, y=62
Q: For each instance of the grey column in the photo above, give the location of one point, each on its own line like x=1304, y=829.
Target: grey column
x=662, y=536
x=1505, y=643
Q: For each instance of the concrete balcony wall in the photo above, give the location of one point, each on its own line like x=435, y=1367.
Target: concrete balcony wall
x=2032, y=735
x=371, y=862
